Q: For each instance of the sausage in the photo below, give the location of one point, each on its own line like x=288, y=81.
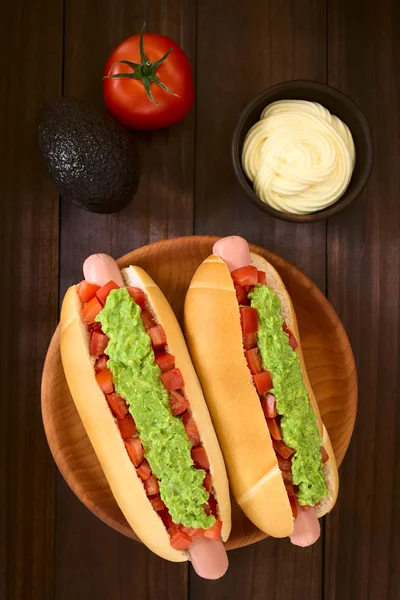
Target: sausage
x=306, y=528
x=234, y=250
x=100, y=269
x=208, y=557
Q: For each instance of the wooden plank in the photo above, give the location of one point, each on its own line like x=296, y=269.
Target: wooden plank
x=239, y=54
x=93, y=560
x=31, y=47
x=362, y=552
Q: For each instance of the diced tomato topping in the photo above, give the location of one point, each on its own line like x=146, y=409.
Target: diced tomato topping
x=127, y=427
x=180, y=540
x=165, y=516
x=292, y=340
x=291, y=490
x=86, y=290
x=148, y=320
x=104, y=379
x=249, y=320
x=103, y=292
x=282, y=449
x=144, y=470
x=95, y=326
x=191, y=429
x=137, y=295
x=263, y=382
x=214, y=533
x=151, y=486
x=254, y=361
x=207, y=482
x=293, y=506
x=171, y=526
x=193, y=533
x=287, y=476
x=157, y=503
x=157, y=336
x=101, y=363
x=249, y=341
x=324, y=454
x=261, y=277
x=98, y=343
x=274, y=429
x=178, y=403
x=284, y=463
x=245, y=275
x=241, y=294
x=91, y=310
x=213, y=506
x=135, y=450
x=165, y=361
x=200, y=458
x=172, y=380
x=268, y=404
x=118, y=405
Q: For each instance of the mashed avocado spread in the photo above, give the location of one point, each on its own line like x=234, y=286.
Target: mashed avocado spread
x=137, y=378
x=298, y=423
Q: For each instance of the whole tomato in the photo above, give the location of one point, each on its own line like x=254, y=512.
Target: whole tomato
x=148, y=82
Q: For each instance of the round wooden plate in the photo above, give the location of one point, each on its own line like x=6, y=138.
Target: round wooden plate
x=171, y=263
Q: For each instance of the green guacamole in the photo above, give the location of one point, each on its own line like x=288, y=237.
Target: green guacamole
x=298, y=423
x=137, y=378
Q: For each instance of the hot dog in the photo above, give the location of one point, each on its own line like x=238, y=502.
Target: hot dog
x=136, y=391
x=242, y=334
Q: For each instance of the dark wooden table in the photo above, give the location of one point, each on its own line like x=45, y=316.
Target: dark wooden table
x=50, y=545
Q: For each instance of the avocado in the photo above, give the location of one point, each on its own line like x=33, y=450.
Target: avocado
x=92, y=160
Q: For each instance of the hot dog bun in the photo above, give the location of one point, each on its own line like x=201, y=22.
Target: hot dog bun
x=101, y=427
x=214, y=336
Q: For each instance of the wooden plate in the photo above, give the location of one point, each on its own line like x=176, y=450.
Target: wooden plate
x=171, y=263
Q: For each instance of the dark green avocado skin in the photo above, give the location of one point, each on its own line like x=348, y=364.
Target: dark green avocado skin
x=92, y=160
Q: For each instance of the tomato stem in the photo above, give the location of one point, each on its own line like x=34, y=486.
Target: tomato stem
x=145, y=71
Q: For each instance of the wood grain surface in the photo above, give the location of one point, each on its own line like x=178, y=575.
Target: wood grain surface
x=51, y=546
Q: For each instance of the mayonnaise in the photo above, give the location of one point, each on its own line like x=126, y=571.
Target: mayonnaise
x=299, y=157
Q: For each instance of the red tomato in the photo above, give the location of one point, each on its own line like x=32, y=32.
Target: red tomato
x=91, y=310
x=261, y=277
x=282, y=449
x=151, y=486
x=268, y=404
x=249, y=320
x=104, y=380
x=127, y=427
x=293, y=505
x=213, y=506
x=191, y=429
x=254, y=361
x=148, y=320
x=157, y=336
x=241, y=294
x=284, y=463
x=287, y=476
x=94, y=327
x=200, y=458
x=324, y=454
x=290, y=488
x=214, y=533
x=118, y=405
x=100, y=363
x=172, y=380
x=292, y=340
x=144, y=470
x=157, y=503
x=135, y=450
x=193, y=533
x=165, y=361
x=207, y=482
x=98, y=344
x=249, y=341
x=263, y=382
x=178, y=403
x=274, y=429
x=245, y=275
x=86, y=290
x=137, y=295
x=156, y=89
x=179, y=539
x=103, y=292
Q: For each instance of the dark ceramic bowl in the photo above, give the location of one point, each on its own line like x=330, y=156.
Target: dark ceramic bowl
x=338, y=104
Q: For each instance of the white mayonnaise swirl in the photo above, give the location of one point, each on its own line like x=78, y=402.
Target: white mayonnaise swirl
x=299, y=157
